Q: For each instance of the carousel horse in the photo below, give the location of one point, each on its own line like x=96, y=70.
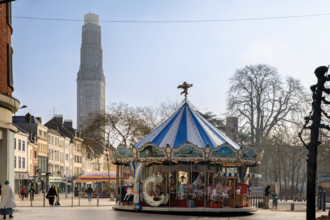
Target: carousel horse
x=181, y=191
x=129, y=192
x=224, y=192
x=212, y=191
x=195, y=185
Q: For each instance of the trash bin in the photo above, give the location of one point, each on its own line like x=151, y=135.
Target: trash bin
x=292, y=206
x=76, y=192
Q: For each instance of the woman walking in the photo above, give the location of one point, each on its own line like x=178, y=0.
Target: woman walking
x=7, y=200
x=51, y=195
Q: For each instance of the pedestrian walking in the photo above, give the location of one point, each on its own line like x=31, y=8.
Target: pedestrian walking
x=57, y=202
x=7, y=201
x=22, y=192
x=89, y=193
x=51, y=195
x=266, y=197
x=32, y=191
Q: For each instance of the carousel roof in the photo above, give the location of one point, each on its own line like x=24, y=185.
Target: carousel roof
x=184, y=126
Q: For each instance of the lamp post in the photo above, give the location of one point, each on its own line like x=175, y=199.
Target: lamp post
x=108, y=165
x=23, y=106
x=47, y=174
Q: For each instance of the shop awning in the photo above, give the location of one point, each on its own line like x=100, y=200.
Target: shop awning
x=100, y=177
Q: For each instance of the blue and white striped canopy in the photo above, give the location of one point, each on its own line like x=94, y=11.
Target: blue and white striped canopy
x=186, y=125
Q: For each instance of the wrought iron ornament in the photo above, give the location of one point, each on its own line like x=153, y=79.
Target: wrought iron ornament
x=185, y=86
x=313, y=123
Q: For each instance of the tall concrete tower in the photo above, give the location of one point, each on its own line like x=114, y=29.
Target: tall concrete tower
x=90, y=80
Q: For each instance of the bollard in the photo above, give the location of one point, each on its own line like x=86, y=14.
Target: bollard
x=72, y=199
x=98, y=196
x=44, y=204
x=324, y=200
x=31, y=199
x=79, y=199
x=292, y=206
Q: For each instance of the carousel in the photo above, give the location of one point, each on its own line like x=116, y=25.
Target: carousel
x=185, y=165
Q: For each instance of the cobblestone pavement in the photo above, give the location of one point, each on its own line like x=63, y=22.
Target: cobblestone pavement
x=99, y=213
x=89, y=210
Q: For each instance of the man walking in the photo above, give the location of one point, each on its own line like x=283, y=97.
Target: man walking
x=89, y=193
x=22, y=192
x=32, y=191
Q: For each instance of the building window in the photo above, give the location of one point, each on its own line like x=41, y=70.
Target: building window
x=23, y=162
x=19, y=145
x=19, y=162
x=15, y=143
x=23, y=146
x=40, y=133
x=35, y=154
x=15, y=162
x=10, y=65
x=67, y=157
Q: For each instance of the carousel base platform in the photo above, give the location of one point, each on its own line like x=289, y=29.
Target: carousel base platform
x=180, y=210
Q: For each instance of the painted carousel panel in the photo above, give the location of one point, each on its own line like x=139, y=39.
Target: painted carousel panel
x=187, y=151
x=123, y=153
x=223, y=152
x=250, y=155
x=151, y=151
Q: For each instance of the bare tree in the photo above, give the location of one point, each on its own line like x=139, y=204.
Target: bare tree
x=128, y=125
x=261, y=100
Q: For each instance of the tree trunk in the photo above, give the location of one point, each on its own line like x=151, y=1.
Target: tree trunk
x=285, y=180
x=297, y=179
x=292, y=177
x=314, y=141
x=303, y=182
x=279, y=170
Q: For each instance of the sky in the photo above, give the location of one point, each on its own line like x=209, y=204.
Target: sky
x=143, y=63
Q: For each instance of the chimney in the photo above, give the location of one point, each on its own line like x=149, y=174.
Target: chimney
x=28, y=118
x=39, y=119
x=68, y=123
x=58, y=119
x=232, y=128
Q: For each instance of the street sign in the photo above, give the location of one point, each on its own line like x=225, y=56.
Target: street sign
x=43, y=174
x=49, y=174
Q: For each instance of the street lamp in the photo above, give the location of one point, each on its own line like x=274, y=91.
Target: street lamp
x=47, y=174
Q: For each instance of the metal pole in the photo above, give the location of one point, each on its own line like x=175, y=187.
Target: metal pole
x=31, y=198
x=108, y=165
x=98, y=196
x=66, y=187
x=169, y=184
x=72, y=194
x=79, y=198
x=324, y=200
x=44, y=204
x=205, y=185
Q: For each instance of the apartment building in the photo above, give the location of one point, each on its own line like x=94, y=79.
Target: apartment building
x=21, y=158
x=38, y=132
x=8, y=104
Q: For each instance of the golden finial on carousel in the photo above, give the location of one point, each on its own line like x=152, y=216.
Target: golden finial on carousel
x=185, y=86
